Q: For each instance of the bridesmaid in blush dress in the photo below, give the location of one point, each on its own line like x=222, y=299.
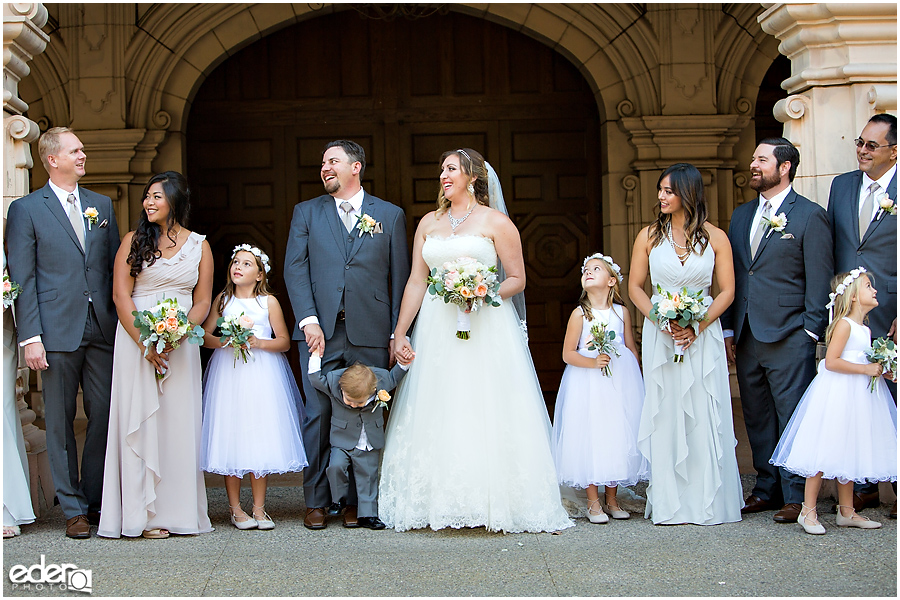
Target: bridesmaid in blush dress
x=152, y=483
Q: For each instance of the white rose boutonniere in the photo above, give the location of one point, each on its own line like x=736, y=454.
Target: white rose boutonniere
x=886, y=205
x=776, y=223
x=367, y=224
x=91, y=214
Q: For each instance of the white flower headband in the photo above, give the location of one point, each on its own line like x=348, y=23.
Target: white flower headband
x=608, y=260
x=255, y=252
x=841, y=288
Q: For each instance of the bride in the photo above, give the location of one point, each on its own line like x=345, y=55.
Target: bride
x=468, y=440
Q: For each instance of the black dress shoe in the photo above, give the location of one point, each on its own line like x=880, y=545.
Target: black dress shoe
x=334, y=509
x=371, y=523
x=755, y=504
x=94, y=517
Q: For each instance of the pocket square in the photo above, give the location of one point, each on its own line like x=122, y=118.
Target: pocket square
x=104, y=223
x=378, y=228
x=788, y=236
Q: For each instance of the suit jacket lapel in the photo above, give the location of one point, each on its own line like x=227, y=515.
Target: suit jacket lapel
x=742, y=228
x=334, y=223
x=786, y=207
x=853, y=217
x=53, y=205
x=367, y=207
x=892, y=194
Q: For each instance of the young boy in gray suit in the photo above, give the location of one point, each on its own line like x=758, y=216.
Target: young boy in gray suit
x=358, y=396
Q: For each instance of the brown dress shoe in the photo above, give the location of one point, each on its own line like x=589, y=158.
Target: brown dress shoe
x=78, y=527
x=787, y=514
x=861, y=501
x=755, y=504
x=350, y=520
x=315, y=518
x=892, y=514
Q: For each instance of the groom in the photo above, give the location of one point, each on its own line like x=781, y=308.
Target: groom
x=782, y=278
x=346, y=266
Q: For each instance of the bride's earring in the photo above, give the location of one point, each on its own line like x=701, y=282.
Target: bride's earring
x=470, y=188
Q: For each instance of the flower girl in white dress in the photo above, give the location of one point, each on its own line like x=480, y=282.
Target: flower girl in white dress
x=250, y=419
x=840, y=429
x=598, y=407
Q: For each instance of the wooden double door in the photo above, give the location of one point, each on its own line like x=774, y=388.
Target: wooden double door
x=406, y=91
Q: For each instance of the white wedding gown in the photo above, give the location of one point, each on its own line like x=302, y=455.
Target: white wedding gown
x=468, y=437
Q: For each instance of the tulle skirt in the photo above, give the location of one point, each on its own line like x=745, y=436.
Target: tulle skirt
x=250, y=416
x=842, y=430
x=595, y=425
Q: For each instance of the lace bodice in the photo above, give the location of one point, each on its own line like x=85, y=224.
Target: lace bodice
x=255, y=308
x=668, y=272
x=437, y=250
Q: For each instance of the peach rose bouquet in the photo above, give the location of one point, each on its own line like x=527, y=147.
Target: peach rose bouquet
x=165, y=324
x=236, y=331
x=11, y=291
x=469, y=285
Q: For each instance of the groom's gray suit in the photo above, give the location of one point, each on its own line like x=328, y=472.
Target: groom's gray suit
x=66, y=299
x=328, y=270
x=779, y=293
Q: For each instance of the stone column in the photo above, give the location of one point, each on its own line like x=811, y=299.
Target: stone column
x=22, y=40
x=843, y=71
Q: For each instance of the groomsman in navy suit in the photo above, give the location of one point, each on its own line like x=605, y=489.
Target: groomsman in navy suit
x=782, y=280
x=865, y=234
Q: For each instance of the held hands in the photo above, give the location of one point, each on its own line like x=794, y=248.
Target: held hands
x=315, y=338
x=403, y=350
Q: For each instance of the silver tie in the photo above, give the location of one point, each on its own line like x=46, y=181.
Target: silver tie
x=76, y=220
x=347, y=217
x=865, y=213
x=760, y=229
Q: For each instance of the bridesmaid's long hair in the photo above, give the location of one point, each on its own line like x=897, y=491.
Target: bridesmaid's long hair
x=145, y=243
x=471, y=163
x=687, y=184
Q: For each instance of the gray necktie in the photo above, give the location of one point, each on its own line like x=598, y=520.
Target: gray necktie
x=346, y=216
x=75, y=220
x=865, y=213
x=760, y=229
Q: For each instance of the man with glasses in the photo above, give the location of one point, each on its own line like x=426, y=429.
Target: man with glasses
x=862, y=212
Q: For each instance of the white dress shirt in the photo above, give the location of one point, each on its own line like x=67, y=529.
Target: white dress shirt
x=883, y=182
x=776, y=202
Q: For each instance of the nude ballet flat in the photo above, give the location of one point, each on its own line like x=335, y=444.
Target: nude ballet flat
x=249, y=523
x=862, y=522
x=600, y=517
x=815, y=528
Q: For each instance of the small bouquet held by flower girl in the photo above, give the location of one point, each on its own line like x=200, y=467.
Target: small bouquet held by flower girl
x=11, y=291
x=884, y=352
x=684, y=308
x=236, y=330
x=165, y=324
x=468, y=284
x=601, y=340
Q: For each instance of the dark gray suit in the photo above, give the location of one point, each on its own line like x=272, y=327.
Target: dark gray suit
x=57, y=278
x=327, y=270
x=346, y=425
x=779, y=293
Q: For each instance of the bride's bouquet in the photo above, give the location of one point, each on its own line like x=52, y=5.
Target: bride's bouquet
x=601, y=340
x=684, y=308
x=165, y=324
x=884, y=352
x=236, y=330
x=11, y=291
x=469, y=285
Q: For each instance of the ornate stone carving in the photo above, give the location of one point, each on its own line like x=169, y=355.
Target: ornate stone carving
x=625, y=108
x=744, y=106
x=162, y=119
x=792, y=107
x=882, y=97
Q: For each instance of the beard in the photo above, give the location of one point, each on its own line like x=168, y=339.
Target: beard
x=764, y=183
x=332, y=186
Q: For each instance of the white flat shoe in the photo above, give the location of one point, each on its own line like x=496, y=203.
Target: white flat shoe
x=249, y=523
x=617, y=512
x=862, y=522
x=266, y=522
x=815, y=528
x=600, y=517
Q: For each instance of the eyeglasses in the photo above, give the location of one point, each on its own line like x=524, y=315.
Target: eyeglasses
x=870, y=146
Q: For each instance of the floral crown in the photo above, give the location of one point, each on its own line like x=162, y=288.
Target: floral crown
x=255, y=252
x=608, y=260
x=842, y=287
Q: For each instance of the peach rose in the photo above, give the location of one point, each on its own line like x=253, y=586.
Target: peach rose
x=172, y=324
x=160, y=327
x=465, y=292
x=481, y=290
x=171, y=313
x=383, y=396
x=7, y=286
x=245, y=322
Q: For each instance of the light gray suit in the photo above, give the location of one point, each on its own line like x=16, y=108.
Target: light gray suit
x=328, y=270
x=346, y=425
x=58, y=278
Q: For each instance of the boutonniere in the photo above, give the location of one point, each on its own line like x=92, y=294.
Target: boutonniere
x=91, y=214
x=367, y=224
x=886, y=205
x=381, y=399
x=776, y=223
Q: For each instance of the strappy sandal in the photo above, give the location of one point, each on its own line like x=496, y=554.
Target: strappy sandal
x=246, y=522
x=155, y=534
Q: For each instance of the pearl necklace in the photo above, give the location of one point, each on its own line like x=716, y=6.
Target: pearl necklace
x=454, y=222
x=682, y=256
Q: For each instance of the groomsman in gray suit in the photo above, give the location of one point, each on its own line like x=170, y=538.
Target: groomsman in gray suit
x=866, y=235
x=62, y=242
x=346, y=266
x=782, y=280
